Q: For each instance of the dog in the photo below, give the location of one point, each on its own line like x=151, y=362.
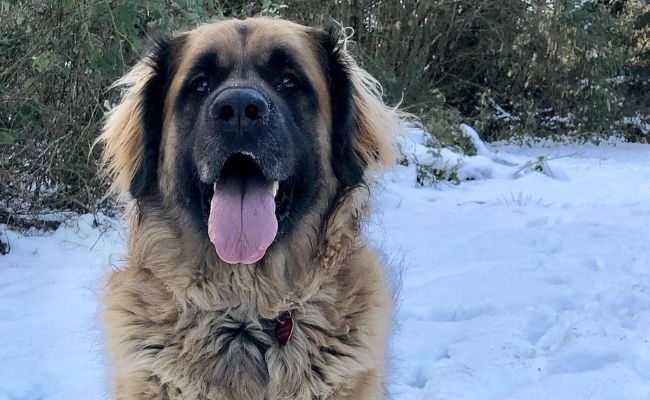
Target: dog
x=247, y=149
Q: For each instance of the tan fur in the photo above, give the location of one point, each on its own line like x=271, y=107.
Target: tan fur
x=122, y=133
x=376, y=124
x=179, y=322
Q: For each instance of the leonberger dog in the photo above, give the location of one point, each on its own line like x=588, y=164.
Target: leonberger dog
x=247, y=149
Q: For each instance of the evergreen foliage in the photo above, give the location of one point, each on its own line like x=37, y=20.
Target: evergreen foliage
x=564, y=69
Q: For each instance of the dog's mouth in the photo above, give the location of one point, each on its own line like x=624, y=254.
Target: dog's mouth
x=244, y=208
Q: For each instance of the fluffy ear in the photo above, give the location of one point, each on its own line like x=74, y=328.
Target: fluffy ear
x=364, y=128
x=132, y=132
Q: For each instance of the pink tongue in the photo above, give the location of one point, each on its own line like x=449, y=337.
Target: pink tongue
x=242, y=223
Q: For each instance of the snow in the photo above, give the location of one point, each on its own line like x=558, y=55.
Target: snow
x=51, y=345
x=516, y=284
x=640, y=122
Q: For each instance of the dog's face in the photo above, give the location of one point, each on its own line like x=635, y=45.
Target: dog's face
x=248, y=103
x=247, y=126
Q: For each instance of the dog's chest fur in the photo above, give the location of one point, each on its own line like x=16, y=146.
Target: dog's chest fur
x=233, y=353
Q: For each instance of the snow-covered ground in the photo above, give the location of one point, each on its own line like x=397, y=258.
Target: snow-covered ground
x=515, y=285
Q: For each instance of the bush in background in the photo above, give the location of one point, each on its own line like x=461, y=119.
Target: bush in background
x=513, y=68
x=576, y=69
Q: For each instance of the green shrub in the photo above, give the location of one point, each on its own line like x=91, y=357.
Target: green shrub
x=512, y=68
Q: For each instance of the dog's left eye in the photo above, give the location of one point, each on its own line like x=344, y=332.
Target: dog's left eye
x=201, y=85
x=289, y=81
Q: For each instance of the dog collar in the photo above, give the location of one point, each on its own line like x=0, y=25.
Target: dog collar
x=284, y=327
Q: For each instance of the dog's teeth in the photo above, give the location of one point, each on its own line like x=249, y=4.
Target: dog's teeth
x=276, y=187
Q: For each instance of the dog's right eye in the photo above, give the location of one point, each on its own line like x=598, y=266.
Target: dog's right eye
x=201, y=86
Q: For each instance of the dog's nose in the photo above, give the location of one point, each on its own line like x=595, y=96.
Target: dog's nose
x=237, y=109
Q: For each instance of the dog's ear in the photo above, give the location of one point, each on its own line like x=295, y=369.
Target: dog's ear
x=364, y=128
x=133, y=129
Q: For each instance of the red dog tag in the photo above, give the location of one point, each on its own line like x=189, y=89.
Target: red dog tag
x=284, y=328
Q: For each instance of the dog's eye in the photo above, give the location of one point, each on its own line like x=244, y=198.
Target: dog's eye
x=289, y=81
x=201, y=85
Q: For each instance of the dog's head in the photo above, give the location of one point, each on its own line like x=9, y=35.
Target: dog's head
x=248, y=127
